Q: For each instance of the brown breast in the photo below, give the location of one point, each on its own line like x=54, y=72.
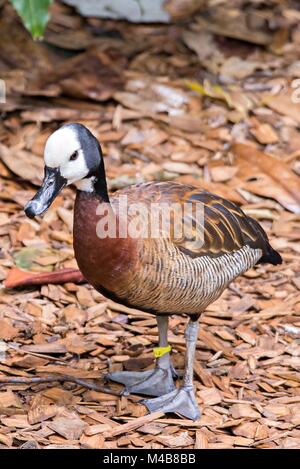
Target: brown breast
x=106, y=263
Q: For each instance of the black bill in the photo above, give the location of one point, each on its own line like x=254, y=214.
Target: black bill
x=52, y=184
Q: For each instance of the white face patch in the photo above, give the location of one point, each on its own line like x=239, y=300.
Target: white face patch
x=86, y=185
x=58, y=150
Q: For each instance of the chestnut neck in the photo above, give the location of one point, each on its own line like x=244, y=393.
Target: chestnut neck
x=101, y=260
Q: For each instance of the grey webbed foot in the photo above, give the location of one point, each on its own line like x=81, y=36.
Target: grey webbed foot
x=181, y=401
x=154, y=382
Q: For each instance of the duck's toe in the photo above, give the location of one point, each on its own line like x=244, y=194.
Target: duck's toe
x=181, y=401
x=154, y=382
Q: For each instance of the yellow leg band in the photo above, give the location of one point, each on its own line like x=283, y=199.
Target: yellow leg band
x=161, y=351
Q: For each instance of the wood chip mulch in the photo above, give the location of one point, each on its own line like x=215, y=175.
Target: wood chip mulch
x=219, y=116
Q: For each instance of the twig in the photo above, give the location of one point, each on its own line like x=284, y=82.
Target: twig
x=50, y=379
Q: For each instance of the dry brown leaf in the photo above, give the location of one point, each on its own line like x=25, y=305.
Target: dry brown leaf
x=235, y=24
x=22, y=163
x=284, y=104
x=237, y=68
x=279, y=181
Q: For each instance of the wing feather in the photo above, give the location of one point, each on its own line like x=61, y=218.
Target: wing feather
x=225, y=228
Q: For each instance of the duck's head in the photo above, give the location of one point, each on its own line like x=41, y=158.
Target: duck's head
x=72, y=155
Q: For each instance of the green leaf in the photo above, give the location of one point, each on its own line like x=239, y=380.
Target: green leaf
x=24, y=259
x=34, y=13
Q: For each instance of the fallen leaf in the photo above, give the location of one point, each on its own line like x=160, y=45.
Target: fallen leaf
x=22, y=163
x=278, y=181
x=283, y=104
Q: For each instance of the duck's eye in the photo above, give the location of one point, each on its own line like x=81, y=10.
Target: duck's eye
x=74, y=156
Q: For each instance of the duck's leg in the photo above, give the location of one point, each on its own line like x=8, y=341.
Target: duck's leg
x=154, y=382
x=181, y=401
